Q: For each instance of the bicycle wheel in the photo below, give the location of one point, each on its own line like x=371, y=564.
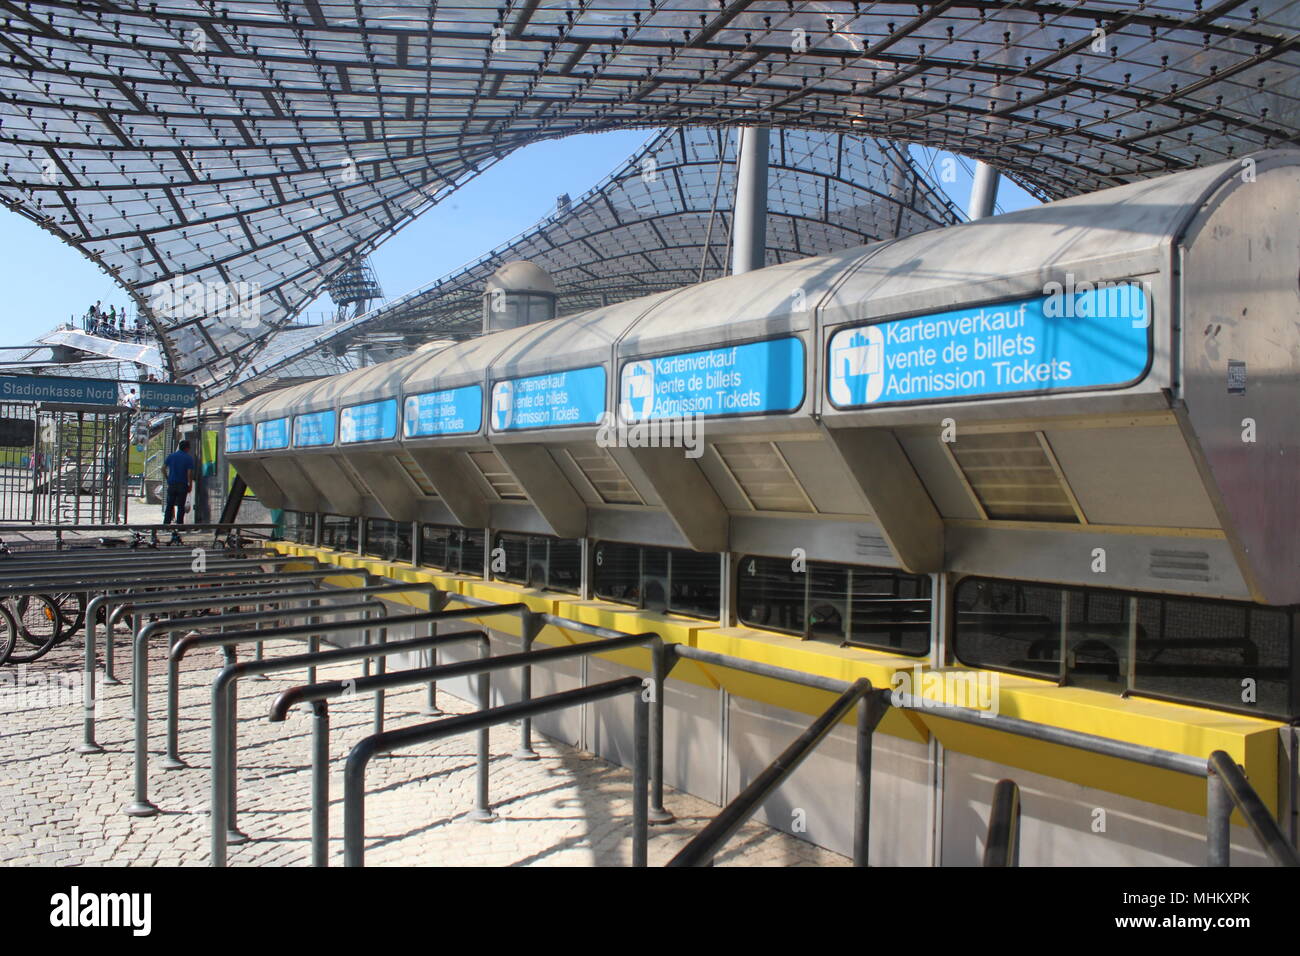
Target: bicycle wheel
x=8, y=633
x=40, y=625
x=37, y=615
x=102, y=615
x=72, y=610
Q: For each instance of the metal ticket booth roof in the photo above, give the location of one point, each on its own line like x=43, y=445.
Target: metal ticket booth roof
x=571, y=343
x=774, y=303
x=464, y=363
x=1126, y=232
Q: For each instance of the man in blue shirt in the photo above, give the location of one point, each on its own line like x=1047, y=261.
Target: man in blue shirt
x=179, y=467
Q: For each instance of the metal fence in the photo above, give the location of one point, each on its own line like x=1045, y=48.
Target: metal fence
x=63, y=465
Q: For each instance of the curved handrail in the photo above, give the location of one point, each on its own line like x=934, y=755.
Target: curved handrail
x=1231, y=782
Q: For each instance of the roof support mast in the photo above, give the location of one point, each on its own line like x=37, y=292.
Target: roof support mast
x=749, y=229
x=983, y=191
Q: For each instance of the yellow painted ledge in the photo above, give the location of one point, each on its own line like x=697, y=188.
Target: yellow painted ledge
x=1196, y=731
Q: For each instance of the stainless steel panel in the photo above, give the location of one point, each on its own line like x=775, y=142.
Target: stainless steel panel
x=1059, y=819
x=1133, y=561
x=1138, y=476
x=1241, y=356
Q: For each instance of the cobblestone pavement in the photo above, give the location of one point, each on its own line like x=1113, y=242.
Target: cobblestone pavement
x=59, y=807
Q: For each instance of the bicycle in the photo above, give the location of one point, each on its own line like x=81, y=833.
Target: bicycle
x=41, y=620
x=38, y=619
x=8, y=634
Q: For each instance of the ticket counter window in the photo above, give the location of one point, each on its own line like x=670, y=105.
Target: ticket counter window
x=390, y=540
x=552, y=564
x=844, y=604
x=300, y=527
x=658, y=579
x=1227, y=654
x=457, y=550
x=338, y=532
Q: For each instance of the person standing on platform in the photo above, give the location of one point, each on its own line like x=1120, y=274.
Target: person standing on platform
x=179, y=466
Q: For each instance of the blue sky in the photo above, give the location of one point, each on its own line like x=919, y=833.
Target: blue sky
x=46, y=282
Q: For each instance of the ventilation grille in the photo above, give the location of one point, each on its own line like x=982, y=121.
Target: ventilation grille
x=416, y=474
x=1180, y=565
x=606, y=477
x=763, y=475
x=1014, y=477
x=492, y=468
x=868, y=545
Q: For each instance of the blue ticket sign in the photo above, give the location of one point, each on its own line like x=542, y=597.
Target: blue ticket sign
x=373, y=421
x=738, y=380
x=1071, y=340
x=453, y=411
x=575, y=397
x=314, y=429
x=56, y=388
x=162, y=395
x=239, y=438
x=273, y=434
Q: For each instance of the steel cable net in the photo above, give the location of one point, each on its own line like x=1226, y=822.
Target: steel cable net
x=224, y=160
x=660, y=221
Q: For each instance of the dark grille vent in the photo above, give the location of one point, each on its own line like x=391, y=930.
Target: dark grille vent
x=1180, y=565
x=870, y=545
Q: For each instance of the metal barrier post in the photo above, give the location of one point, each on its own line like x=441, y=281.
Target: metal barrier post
x=640, y=778
x=1002, y=844
x=661, y=663
x=529, y=629
x=320, y=783
x=871, y=709
x=1218, y=815
x=482, y=811
x=1238, y=791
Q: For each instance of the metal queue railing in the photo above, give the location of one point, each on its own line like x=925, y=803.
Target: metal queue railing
x=368, y=599
x=705, y=844
x=60, y=530
x=871, y=708
x=223, y=720
x=1227, y=787
x=229, y=583
x=173, y=759
x=481, y=668
x=354, y=790
x=223, y=694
